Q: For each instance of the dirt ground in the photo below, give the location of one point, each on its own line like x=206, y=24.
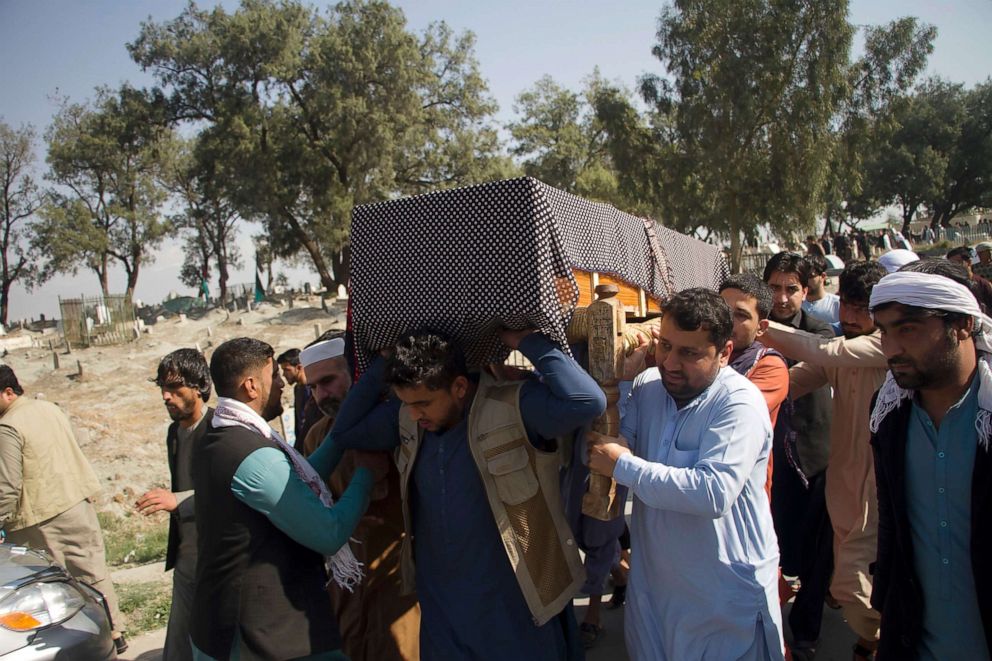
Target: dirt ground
x=118, y=413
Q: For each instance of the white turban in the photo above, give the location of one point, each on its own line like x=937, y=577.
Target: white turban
x=926, y=290
x=935, y=292
x=322, y=351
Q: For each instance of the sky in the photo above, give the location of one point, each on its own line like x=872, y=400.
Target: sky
x=66, y=48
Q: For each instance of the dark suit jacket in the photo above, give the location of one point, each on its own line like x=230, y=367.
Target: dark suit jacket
x=896, y=591
x=181, y=474
x=812, y=413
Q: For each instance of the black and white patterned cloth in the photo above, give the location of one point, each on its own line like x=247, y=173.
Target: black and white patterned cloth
x=468, y=261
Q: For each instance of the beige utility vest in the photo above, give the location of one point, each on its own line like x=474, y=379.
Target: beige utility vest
x=522, y=485
x=55, y=474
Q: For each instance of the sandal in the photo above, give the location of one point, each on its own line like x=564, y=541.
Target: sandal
x=589, y=634
x=619, y=597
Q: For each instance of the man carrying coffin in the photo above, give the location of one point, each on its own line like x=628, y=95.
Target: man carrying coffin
x=494, y=561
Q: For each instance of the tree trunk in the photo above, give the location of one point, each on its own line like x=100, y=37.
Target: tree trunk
x=735, y=245
x=222, y=274
x=4, y=300
x=132, y=277
x=341, y=265
x=102, y=272
x=319, y=263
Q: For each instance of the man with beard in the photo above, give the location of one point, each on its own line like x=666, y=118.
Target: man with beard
x=305, y=411
x=266, y=523
x=376, y=620
x=488, y=547
x=694, y=449
x=982, y=288
x=854, y=367
x=931, y=425
x=184, y=379
x=820, y=303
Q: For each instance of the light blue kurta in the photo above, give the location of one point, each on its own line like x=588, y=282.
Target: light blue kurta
x=703, y=582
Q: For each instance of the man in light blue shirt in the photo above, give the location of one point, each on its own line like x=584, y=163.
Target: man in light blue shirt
x=819, y=302
x=694, y=450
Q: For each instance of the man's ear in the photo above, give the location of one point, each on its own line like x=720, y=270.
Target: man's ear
x=459, y=387
x=762, y=327
x=963, y=329
x=250, y=387
x=724, y=355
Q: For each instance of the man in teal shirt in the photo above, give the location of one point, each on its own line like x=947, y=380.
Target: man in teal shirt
x=930, y=432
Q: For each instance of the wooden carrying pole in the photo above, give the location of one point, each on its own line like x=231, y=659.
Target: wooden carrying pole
x=606, y=326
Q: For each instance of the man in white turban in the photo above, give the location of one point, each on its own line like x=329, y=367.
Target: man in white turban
x=931, y=424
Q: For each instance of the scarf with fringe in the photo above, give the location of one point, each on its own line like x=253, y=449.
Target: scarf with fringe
x=343, y=567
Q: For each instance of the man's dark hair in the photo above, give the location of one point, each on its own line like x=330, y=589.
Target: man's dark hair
x=857, y=280
x=9, y=380
x=425, y=357
x=754, y=287
x=817, y=264
x=291, y=356
x=788, y=262
x=234, y=359
x=692, y=309
x=186, y=367
x=962, y=252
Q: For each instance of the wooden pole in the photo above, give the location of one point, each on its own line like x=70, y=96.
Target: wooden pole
x=606, y=327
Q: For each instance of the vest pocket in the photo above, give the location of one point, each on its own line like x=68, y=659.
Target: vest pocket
x=515, y=479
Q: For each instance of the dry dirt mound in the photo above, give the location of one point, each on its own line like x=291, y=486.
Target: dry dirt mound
x=118, y=412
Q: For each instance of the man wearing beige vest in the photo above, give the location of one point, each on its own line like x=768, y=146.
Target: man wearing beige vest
x=487, y=545
x=47, y=487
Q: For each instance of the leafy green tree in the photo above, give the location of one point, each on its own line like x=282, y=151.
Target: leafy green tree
x=753, y=86
x=917, y=138
x=563, y=142
x=314, y=113
x=208, y=218
x=107, y=160
x=894, y=55
x=967, y=183
x=19, y=200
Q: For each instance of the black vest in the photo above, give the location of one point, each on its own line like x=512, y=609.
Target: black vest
x=252, y=580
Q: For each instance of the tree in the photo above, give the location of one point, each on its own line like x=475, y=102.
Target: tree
x=316, y=113
x=208, y=219
x=967, y=183
x=753, y=87
x=108, y=160
x=18, y=204
x=894, y=55
x=563, y=141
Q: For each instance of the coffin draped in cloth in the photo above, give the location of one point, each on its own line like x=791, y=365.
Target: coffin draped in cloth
x=471, y=260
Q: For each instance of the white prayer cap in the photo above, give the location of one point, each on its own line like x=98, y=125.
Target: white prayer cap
x=896, y=259
x=322, y=351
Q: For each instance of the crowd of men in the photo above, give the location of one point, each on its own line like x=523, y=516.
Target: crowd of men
x=778, y=442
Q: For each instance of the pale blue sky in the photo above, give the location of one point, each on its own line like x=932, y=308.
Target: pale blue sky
x=70, y=46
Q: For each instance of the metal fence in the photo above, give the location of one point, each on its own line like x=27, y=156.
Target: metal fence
x=97, y=320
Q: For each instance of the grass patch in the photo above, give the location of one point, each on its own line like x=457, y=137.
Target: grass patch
x=145, y=605
x=134, y=540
